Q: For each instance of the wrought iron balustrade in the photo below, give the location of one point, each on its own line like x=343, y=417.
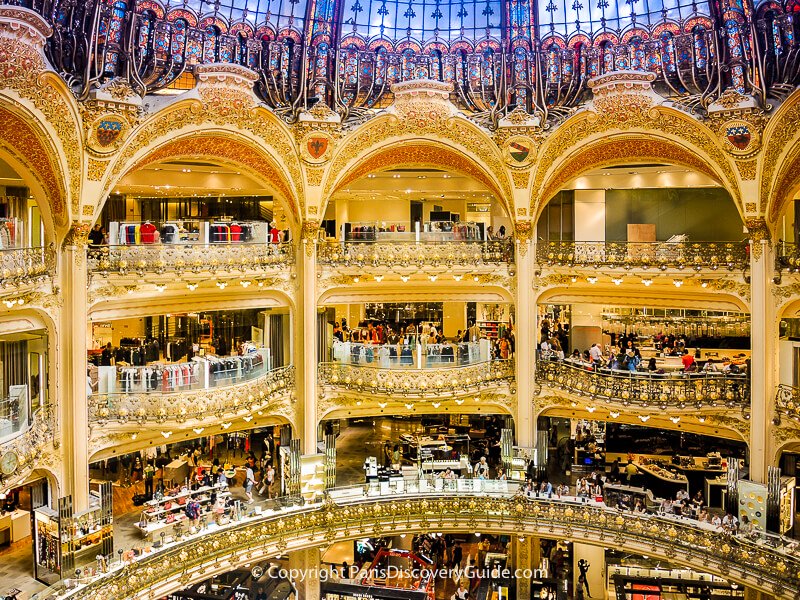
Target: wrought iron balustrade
x=416, y=254
x=149, y=407
x=656, y=391
x=417, y=382
x=31, y=441
x=151, y=47
x=762, y=561
x=656, y=255
x=190, y=258
x=26, y=266
x=787, y=257
x=787, y=401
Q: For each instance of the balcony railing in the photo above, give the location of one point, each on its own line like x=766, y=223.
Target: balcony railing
x=787, y=257
x=765, y=562
x=644, y=255
x=416, y=382
x=417, y=254
x=148, y=407
x=31, y=443
x=190, y=258
x=656, y=391
x=409, y=355
x=787, y=401
x=26, y=266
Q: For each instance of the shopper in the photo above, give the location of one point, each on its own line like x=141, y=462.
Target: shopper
x=268, y=481
x=458, y=555
x=149, y=476
x=249, y=482
x=482, y=469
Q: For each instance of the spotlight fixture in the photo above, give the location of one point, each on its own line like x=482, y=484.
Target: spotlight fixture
x=245, y=283
x=160, y=287
x=675, y=419
x=474, y=278
x=617, y=280
x=436, y=404
x=378, y=278
x=404, y=278
x=192, y=286
x=592, y=280
x=432, y=277
x=647, y=282
x=222, y=284
x=226, y=425
x=409, y=406
x=458, y=277
x=459, y=402
x=573, y=279
x=198, y=430
x=613, y=414
x=678, y=283
x=704, y=284
x=644, y=418
x=166, y=434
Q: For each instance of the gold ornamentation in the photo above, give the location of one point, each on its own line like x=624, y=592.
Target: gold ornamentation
x=309, y=236
x=750, y=207
x=524, y=232
x=321, y=111
x=758, y=232
x=741, y=138
x=521, y=179
x=314, y=176
x=88, y=210
x=78, y=235
x=96, y=169
x=421, y=255
x=742, y=290
x=522, y=212
x=731, y=99
x=106, y=134
x=519, y=151
x=25, y=70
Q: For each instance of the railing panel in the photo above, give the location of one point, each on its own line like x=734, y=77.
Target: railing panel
x=658, y=255
x=679, y=391
x=419, y=254
x=24, y=266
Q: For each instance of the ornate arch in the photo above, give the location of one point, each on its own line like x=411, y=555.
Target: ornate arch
x=222, y=124
x=634, y=131
x=429, y=129
x=779, y=156
x=34, y=159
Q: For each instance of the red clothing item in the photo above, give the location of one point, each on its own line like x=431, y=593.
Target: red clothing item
x=236, y=233
x=274, y=235
x=688, y=361
x=148, y=233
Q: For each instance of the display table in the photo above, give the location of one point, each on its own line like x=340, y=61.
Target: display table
x=15, y=526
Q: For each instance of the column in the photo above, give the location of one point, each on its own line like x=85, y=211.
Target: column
x=307, y=351
x=74, y=417
x=305, y=566
x=525, y=334
x=764, y=346
x=595, y=557
x=525, y=554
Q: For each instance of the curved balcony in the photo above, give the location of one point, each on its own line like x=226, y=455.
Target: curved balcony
x=428, y=254
x=697, y=256
x=180, y=259
x=415, y=383
x=239, y=399
x=767, y=563
x=23, y=268
x=675, y=392
x=31, y=445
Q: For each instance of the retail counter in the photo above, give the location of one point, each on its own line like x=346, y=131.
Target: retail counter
x=15, y=526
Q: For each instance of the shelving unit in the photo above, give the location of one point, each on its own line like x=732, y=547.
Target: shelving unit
x=490, y=329
x=161, y=515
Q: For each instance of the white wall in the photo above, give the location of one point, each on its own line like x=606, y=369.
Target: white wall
x=590, y=215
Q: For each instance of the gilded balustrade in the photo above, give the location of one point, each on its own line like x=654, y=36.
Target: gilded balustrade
x=698, y=256
x=415, y=382
x=787, y=257
x=152, y=407
x=767, y=563
x=31, y=446
x=20, y=267
x=416, y=254
x=190, y=258
x=787, y=401
x=655, y=391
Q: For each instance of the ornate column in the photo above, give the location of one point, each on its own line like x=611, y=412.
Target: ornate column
x=74, y=414
x=763, y=344
x=304, y=566
x=307, y=352
x=525, y=557
x=525, y=354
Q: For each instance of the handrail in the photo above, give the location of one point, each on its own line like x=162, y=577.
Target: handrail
x=687, y=390
x=658, y=255
x=22, y=266
x=441, y=380
x=419, y=254
x=769, y=563
x=30, y=443
x=787, y=257
x=189, y=258
x=147, y=407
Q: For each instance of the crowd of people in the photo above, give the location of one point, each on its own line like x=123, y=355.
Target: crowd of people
x=624, y=353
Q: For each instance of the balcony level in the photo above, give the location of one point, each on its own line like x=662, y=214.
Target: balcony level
x=24, y=271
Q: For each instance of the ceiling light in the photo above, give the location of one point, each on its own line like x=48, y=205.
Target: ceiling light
x=245, y=283
x=436, y=404
x=458, y=277
x=613, y=414
x=166, y=434
x=160, y=287
x=396, y=176
x=474, y=278
x=573, y=279
x=248, y=418
x=134, y=436
x=647, y=282
x=382, y=404
x=591, y=280
x=198, y=430
x=675, y=419
x=701, y=419
x=644, y=418
x=678, y=282
x=591, y=409
x=704, y=284
x=192, y=286
x=226, y=425
x=378, y=278
x=404, y=278
x=432, y=277
x=356, y=279
x=617, y=280
x=409, y=406
x=222, y=285
x=459, y=402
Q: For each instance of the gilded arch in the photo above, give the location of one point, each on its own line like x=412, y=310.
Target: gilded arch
x=253, y=130
x=28, y=152
x=780, y=151
x=453, y=134
x=786, y=184
x=591, y=140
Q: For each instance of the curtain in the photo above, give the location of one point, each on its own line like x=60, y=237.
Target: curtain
x=14, y=357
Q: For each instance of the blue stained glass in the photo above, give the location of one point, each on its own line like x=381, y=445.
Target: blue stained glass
x=278, y=14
